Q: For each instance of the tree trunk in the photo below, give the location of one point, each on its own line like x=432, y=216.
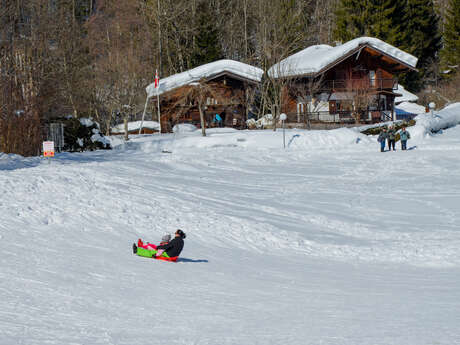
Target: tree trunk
x=108, y=121
x=203, y=125
x=125, y=121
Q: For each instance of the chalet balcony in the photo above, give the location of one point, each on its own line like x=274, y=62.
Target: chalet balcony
x=343, y=116
x=359, y=84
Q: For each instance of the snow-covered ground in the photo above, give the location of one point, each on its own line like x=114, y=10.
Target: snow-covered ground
x=328, y=241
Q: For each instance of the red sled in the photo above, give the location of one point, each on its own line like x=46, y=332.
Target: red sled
x=164, y=258
x=149, y=250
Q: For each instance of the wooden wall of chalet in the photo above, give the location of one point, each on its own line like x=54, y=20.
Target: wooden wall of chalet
x=353, y=71
x=229, y=103
x=358, y=69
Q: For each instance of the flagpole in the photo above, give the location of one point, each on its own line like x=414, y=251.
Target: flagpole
x=159, y=116
x=157, y=84
x=143, y=114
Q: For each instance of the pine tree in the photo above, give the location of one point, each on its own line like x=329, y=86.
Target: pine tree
x=386, y=20
x=351, y=21
x=207, y=47
x=450, y=53
x=375, y=18
x=421, y=39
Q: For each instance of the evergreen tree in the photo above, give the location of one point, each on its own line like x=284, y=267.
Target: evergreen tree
x=376, y=18
x=450, y=53
x=421, y=39
x=386, y=20
x=207, y=44
x=351, y=22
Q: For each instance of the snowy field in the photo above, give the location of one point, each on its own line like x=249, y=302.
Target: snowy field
x=326, y=242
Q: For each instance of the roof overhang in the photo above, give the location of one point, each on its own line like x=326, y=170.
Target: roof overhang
x=399, y=65
x=210, y=78
x=382, y=54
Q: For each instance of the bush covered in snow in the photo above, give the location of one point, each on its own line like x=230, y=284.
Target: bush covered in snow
x=265, y=121
x=83, y=135
x=397, y=126
x=184, y=128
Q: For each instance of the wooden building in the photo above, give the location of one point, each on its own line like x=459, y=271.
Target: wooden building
x=349, y=83
x=223, y=87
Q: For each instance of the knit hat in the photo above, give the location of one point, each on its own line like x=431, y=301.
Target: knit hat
x=166, y=238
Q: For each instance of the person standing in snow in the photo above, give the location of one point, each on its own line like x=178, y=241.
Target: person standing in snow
x=382, y=139
x=218, y=120
x=405, y=135
x=391, y=138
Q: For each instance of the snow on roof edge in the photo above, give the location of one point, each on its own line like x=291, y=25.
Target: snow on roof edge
x=315, y=58
x=406, y=96
x=205, y=71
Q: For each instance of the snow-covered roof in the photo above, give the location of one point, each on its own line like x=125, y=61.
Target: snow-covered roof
x=206, y=71
x=316, y=58
x=406, y=95
x=411, y=107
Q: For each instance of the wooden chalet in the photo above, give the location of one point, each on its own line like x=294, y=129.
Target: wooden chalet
x=349, y=83
x=223, y=87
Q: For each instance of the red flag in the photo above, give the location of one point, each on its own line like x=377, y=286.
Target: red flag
x=157, y=79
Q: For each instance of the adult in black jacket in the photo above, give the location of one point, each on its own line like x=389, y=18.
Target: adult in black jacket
x=174, y=247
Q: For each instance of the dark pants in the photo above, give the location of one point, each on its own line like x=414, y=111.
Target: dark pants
x=403, y=144
x=391, y=144
x=382, y=146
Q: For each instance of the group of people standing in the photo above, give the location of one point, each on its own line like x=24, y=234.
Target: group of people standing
x=390, y=137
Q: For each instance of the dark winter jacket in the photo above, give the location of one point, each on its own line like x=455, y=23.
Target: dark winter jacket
x=382, y=136
x=391, y=134
x=174, y=247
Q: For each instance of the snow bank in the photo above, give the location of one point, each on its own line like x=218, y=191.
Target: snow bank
x=135, y=125
x=427, y=123
x=184, y=128
x=315, y=58
x=296, y=139
x=10, y=161
x=205, y=71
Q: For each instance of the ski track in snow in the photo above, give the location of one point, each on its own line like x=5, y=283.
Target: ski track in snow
x=334, y=246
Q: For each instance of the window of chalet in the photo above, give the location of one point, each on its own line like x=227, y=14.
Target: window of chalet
x=211, y=101
x=372, y=78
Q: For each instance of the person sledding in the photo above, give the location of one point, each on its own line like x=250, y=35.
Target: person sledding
x=150, y=246
x=169, y=251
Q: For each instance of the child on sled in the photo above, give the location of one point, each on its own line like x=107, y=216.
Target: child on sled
x=150, y=246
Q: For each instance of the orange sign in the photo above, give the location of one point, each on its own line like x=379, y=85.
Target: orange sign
x=48, y=148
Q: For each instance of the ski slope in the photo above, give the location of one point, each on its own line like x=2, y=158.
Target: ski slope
x=325, y=242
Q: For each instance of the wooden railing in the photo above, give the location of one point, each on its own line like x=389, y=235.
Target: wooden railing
x=325, y=116
x=359, y=84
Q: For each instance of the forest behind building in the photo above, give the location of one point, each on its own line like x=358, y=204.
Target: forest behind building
x=94, y=58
